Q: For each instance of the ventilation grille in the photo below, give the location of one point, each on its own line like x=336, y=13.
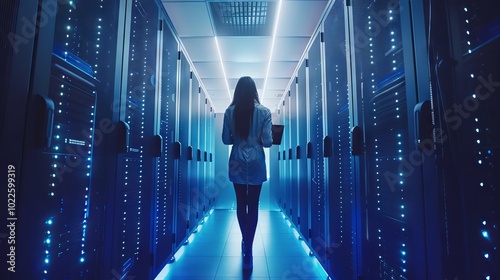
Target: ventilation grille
x=243, y=18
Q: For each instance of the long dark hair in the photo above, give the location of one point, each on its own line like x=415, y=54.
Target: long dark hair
x=243, y=100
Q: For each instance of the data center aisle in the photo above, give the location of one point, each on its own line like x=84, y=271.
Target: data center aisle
x=215, y=252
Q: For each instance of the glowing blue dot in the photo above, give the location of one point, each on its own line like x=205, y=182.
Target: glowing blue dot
x=485, y=234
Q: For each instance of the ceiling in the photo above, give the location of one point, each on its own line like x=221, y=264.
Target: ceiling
x=225, y=40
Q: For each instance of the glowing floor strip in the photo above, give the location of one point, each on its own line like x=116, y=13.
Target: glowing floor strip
x=164, y=272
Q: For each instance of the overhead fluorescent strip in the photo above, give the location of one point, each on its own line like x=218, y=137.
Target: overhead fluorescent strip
x=222, y=66
x=275, y=30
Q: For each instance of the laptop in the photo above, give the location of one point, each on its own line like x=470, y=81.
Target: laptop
x=277, y=130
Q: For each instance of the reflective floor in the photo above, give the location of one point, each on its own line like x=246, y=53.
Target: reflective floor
x=215, y=252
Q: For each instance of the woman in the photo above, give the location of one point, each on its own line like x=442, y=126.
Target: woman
x=247, y=126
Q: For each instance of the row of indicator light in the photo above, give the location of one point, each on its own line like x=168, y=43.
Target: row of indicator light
x=393, y=39
x=56, y=148
x=484, y=232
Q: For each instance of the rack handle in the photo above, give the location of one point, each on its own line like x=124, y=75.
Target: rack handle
x=123, y=130
x=356, y=141
x=327, y=147
x=157, y=146
x=177, y=150
x=423, y=125
x=45, y=117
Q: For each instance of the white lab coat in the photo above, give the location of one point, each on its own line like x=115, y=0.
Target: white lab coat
x=247, y=162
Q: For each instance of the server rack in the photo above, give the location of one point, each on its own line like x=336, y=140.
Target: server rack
x=200, y=196
x=186, y=151
x=302, y=115
x=465, y=74
x=52, y=133
x=135, y=173
x=195, y=144
x=395, y=240
x=294, y=155
x=315, y=150
x=343, y=200
x=164, y=227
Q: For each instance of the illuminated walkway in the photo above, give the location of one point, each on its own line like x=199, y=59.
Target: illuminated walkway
x=215, y=252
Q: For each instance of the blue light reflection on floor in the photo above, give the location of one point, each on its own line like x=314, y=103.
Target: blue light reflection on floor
x=214, y=252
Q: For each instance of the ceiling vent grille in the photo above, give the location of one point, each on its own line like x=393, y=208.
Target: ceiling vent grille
x=243, y=18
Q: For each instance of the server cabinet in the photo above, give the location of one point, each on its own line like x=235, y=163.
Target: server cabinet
x=302, y=168
x=49, y=132
x=194, y=128
x=210, y=193
x=135, y=172
x=281, y=191
x=289, y=155
x=286, y=157
x=200, y=195
x=185, y=151
x=210, y=173
x=316, y=170
x=294, y=155
x=465, y=90
x=164, y=227
x=343, y=187
x=394, y=239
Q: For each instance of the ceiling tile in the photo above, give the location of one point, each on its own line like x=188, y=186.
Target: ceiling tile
x=201, y=49
x=289, y=48
x=182, y=14
x=244, y=49
x=299, y=18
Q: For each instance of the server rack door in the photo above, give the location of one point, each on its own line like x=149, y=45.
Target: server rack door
x=182, y=192
x=195, y=143
x=302, y=170
x=282, y=169
x=210, y=187
x=294, y=212
x=342, y=199
x=279, y=190
x=316, y=169
x=204, y=128
x=395, y=244
x=287, y=171
x=135, y=175
x=275, y=173
x=466, y=85
x=53, y=205
x=164, y=227
x=283, y=163
x=289, y=157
